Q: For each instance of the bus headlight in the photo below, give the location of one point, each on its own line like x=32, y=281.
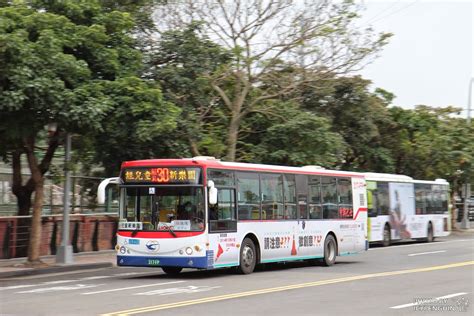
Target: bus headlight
x=197, y=248
x=189, y=251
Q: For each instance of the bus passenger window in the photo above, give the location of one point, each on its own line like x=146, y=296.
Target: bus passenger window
x=329, y=197
x=383, y=201
x=248, y=195
x=344, y=196
x=272, y=196
x=290, y=196
x=303, y=206
x=315, y=208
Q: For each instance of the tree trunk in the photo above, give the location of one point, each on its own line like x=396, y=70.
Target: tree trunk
x=194, y=147
x=23, y=193
x=35, y=233
x=37, y=177
x=232, y=137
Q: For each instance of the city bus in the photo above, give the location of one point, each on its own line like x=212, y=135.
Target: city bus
x=401, y=208
x=205, y=213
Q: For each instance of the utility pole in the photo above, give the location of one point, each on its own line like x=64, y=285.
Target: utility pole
x=467, y=186
x=64, y=254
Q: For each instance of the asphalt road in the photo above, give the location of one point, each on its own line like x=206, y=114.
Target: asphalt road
x=406, y=279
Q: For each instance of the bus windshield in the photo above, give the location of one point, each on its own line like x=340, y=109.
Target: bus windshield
x=165, y=209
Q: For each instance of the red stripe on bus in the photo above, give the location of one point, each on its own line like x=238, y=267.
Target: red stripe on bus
x=157, y=235
x=213, y=164
x=361, y=209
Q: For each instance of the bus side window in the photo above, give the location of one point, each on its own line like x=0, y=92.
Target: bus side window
x=248, y=186
x=383, y=201
x=344, y=197
x=315, y=208
x=372, y=202
x=302, y=194
x=329, y=195
x=290, y=196
x=272, y=196
x=222, y=215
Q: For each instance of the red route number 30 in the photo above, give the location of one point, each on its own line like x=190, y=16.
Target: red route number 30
x=160, y=175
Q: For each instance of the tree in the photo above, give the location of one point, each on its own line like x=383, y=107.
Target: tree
x=359, y=116
x=432, y=143
x=181, y=64
x=136, y=127
x=265, y=36
x=59, y=64
x=294, y=138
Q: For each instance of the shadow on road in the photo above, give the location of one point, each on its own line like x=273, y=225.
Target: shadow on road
x=401, y=243
x=226, y=272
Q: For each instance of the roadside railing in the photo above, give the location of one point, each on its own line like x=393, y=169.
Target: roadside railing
x=88, y=232
x=82, y=196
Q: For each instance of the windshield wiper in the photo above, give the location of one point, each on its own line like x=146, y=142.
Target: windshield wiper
x=169, y=226
x=171, y=231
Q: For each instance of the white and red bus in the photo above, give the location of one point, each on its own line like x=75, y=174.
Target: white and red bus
x=401, y=208
x=204, y=213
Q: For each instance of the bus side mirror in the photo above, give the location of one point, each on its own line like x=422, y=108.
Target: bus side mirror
x=212, y=193
x=102, y=186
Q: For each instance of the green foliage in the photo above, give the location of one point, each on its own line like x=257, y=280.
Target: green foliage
x=183, y=64
x=299, y=138
x=74, y=63
x=133, y=128
x=358, y=115
x=432, y=143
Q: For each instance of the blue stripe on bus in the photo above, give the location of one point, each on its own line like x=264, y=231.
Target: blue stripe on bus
x=157, y=261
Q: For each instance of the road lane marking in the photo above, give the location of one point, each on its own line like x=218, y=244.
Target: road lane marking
x=434, y=300
x=14, y=287
x=180, y=290
x=50, y=275
x=60, y=288
x=425, y=253
x=126, y=273
x=283, y=288
x=98, y=277
x=132, y=287
x=58, y=282
x=421, y=244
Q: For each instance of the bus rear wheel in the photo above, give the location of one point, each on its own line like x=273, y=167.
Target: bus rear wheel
x=387, y=239
x=172, y=270
x=330, y=251
x=248, y=257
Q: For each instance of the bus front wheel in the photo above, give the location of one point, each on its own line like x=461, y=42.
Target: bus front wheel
x=248, y=257
x=330, y=250
x=172, y=270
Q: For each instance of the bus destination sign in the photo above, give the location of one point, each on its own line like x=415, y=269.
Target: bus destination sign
x=165, y=175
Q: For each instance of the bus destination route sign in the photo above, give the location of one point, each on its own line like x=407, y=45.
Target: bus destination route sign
x=164, y=175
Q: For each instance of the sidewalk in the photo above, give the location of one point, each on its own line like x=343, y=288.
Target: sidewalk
x=82, y=261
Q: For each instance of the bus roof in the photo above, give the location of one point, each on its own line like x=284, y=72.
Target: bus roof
x=210, y=162
x=372, y=176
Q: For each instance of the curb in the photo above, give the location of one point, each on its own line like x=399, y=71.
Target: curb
x=55, y=269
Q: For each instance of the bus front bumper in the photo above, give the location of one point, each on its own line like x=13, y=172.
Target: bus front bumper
x=157, y=261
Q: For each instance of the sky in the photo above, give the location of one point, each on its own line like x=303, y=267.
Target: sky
x=429, y=60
